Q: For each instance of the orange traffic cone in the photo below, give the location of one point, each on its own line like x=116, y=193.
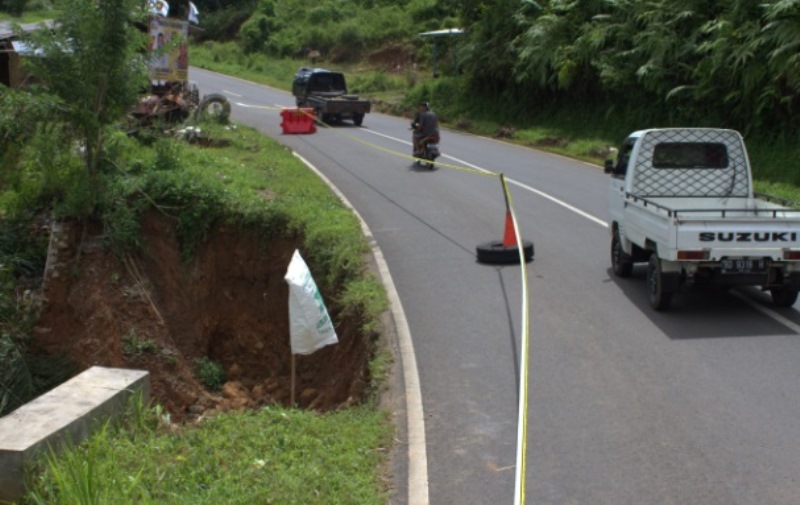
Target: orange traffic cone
x=510, y=236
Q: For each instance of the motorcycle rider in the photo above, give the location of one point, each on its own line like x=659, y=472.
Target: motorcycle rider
x=425, y=124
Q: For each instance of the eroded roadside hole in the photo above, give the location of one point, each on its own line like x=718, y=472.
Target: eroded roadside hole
x=228, y=306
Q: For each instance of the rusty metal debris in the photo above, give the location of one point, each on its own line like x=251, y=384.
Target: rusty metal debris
x=170, y=103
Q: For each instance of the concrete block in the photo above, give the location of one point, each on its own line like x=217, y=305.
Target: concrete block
x=68, y=413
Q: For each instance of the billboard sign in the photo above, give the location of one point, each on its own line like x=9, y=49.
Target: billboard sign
x=169, y=51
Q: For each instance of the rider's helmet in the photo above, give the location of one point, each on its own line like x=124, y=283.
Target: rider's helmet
x=424, y=104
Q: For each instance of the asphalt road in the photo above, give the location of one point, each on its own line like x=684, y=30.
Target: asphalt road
x=698, y=405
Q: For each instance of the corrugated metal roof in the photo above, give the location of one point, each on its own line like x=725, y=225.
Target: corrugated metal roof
x=442, y=33
x=6, y=32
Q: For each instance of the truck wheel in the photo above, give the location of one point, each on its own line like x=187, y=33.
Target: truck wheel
x=659, y=298
x=495, y=253
x=358, y=119
x=783, y=296
x=621, y=262
x=215, y=106
x=194, y=94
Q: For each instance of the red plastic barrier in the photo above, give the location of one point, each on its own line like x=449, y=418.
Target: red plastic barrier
x=298, y=121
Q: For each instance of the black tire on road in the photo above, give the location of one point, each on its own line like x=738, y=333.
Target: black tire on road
x=659, y=298
x=358, y=119
x=621, y=262
x=783, y=296
x=495, y=253
x=215, y=106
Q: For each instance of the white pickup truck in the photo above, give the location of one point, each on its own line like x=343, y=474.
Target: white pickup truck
x=682, y=201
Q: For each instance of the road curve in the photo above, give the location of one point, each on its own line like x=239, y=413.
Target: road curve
x=627, y=406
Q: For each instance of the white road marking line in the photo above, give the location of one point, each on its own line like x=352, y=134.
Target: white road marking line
x=764, y=310
x=771, y=313
x=415, y=416
x=514, y=182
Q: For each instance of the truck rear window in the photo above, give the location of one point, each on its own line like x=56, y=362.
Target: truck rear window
x=327, y=82
x=690, y=155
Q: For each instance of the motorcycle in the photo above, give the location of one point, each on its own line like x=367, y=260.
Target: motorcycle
x=430, y=149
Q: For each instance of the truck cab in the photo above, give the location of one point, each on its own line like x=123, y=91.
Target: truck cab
x=318, y=81
x=325, y=92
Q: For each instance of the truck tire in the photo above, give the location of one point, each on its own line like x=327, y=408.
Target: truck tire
x=321, y=116
x=495, y=253
x=358, y=119
x=660, y=299
x=621, y=262
x=215, y=106
x=783, y=296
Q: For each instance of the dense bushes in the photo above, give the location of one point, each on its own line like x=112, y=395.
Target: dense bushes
x=341, y=30
x=688, y=61
x=692, y=61
x=13, y=7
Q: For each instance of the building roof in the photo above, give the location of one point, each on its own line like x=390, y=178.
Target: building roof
x=6, y=31
x=442, y=33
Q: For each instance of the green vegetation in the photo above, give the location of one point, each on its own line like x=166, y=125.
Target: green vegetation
x=275, y=455
x=235, y=458
x=26, y=17
x=209, y=373
x=173, y=177
x=135, y=345
x=99, y=46
x=228, y=58
x=67, y=152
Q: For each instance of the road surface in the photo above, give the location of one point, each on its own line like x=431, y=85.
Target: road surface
x=698, y=405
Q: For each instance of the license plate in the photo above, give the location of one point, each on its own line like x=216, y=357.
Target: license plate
x=744, y=265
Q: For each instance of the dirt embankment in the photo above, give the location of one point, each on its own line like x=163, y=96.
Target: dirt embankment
x=153, y=311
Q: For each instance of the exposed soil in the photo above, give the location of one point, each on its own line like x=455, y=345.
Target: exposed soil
x=155, y=312
x=392, y=59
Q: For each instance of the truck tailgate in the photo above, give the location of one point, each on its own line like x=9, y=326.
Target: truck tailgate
x=340, y=105
x=738, y=237
x=735, y=228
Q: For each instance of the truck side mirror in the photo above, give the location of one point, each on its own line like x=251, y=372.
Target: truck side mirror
x=608, y=167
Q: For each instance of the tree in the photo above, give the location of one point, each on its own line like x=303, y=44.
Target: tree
x=94, y=61
x=13, y=7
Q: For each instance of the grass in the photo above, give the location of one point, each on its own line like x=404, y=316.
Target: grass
x=228, y=58
x=36, y=16
x=274, y=455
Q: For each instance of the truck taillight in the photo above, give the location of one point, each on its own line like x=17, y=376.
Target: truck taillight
x=791, y=255
x=702, y=254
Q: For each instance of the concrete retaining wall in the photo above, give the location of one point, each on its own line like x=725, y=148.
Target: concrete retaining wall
x=68, y=413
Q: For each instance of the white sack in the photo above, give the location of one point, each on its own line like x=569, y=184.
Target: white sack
x=309, y=323
x=194, y=14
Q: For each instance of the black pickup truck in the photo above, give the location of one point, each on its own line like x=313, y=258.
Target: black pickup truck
x=326, y=92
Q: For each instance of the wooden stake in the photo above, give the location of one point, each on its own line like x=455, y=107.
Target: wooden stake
x=293, y=381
